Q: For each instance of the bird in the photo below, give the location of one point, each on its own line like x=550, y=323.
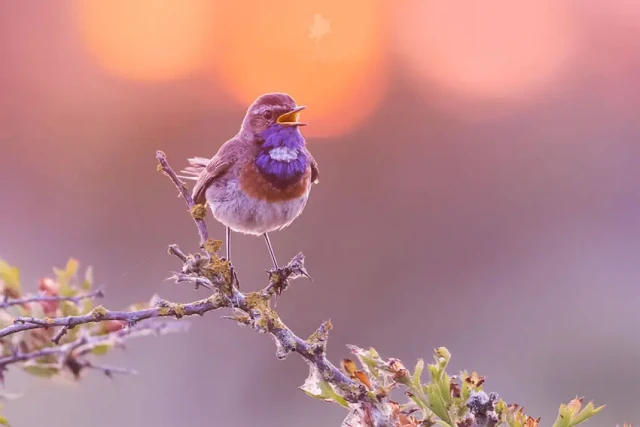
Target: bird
x=259, y=180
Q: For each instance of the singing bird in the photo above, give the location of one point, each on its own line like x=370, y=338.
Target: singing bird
x=259, y=180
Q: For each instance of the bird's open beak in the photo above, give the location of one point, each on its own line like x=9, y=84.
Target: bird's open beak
x=291, y=118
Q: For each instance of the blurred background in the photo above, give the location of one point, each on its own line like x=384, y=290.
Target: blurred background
x=479, y=190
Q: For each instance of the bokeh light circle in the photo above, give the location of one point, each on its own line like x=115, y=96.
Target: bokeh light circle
x=327, y=54
x=147, y=39
x=502, y=50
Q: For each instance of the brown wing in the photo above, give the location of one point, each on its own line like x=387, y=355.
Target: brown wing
x=217, y=166
x=315, y=173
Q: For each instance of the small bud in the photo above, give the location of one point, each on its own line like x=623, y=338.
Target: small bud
x=575, y=405
x=111, y=326
x=443, y=354
x=48, y=286
x=398, y=369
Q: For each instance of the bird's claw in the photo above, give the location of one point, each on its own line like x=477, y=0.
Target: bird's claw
x=278, y=279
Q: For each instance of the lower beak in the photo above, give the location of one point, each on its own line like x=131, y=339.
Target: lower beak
x=291, y=118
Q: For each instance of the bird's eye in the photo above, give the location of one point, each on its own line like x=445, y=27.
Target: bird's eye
x=268, y=114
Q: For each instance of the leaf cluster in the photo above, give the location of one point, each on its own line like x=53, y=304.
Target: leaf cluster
x=444, y=400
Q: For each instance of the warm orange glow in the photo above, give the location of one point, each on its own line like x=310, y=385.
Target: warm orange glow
x=328, y=54
x=147, y=39
x=613, y=33
x=500, y=49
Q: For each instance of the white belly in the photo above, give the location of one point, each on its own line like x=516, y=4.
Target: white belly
x=245, y=214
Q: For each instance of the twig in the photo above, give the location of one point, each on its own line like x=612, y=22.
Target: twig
x=98, y=293
x=83, y=346
x=99, y=314
x=56, y=338
x=109, y=370
x=164, y=166
x=175, y=250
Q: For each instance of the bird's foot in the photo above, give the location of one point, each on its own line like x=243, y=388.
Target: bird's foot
x=279, y=278
x=278, y=281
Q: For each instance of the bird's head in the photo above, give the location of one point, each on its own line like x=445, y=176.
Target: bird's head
x=272, y=111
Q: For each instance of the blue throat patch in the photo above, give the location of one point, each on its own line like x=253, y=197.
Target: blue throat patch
x=282, y=173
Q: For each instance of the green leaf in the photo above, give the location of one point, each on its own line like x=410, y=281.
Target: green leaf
x=10, y=275
x=588, y=411
x=41, y=370
x=417, y=372
x=437, y=403
x=570, y=415
x=72, y=267
x=465, y=387
x=101, y=348
x=435, y=371
x=88, y=279
x=87, y=306
x=417, y=400
x=3, y=420
x=443, y=355
x=318, y=388
x=63, y=277
x=369, y=359
x=69, y=308
x=63, y=282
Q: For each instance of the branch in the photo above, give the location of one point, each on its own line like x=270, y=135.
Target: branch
x=99, y=314
x=166, y=169
x=72, y=355
x=254, y=306
x=98, y=293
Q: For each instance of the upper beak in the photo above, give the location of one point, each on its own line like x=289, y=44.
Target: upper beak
x=291, y=118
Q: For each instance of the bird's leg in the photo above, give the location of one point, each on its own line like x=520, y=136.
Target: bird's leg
x=275, y=272
x=273, y=256
x=234, y=275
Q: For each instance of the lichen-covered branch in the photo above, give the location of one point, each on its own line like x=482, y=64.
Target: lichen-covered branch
x=99, y=293
x=63, y=314
x=253, y=309
x=160, y=308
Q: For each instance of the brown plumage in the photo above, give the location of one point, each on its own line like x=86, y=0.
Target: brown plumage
x=256, y=185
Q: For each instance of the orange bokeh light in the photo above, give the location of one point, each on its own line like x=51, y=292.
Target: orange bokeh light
x=147, y=39
x=502, y=49
x=327, y=54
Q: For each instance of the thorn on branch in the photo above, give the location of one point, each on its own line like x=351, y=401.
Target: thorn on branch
x=318, y=340
x=241, y=317
x=192, y=278
x=108, y=370
x=175, y=250
x=56, y=338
